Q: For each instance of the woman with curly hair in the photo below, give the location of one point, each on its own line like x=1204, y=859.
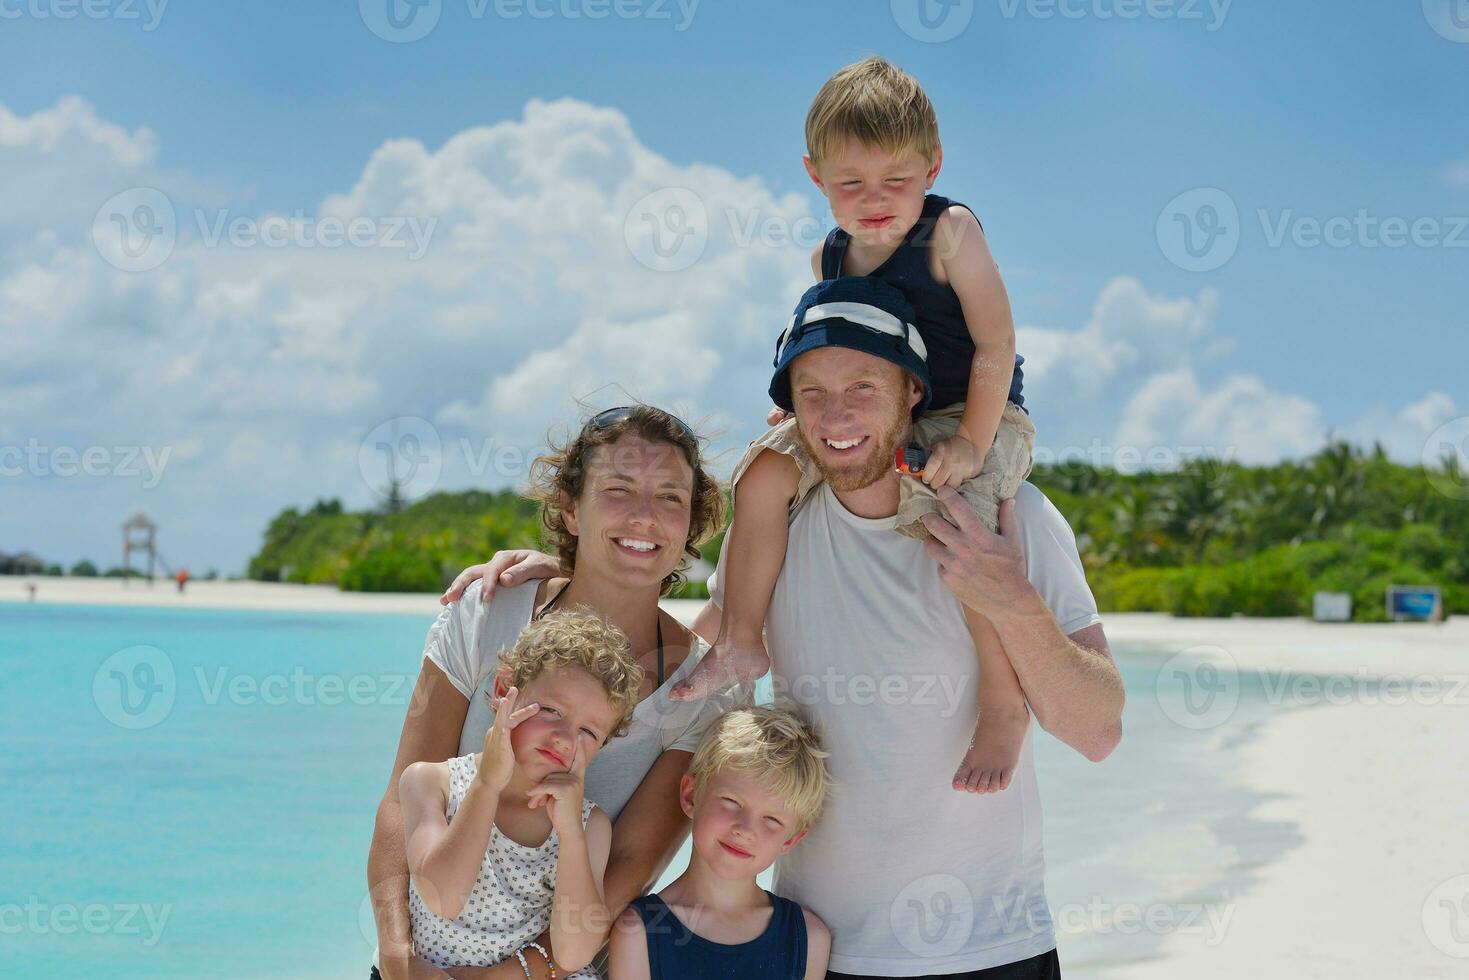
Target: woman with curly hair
x=625, y=505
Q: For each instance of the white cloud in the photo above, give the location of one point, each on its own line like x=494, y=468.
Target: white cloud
x=1402, y=433
x=1238, y=419
x=1430, y=412
x=1132, y=381
x=270, y=364
x=48, y=156
x=1131, y=332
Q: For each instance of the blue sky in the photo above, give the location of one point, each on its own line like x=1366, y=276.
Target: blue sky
x=1068, y=126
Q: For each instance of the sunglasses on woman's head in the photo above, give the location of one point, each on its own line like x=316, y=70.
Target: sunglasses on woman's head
x=613, y=415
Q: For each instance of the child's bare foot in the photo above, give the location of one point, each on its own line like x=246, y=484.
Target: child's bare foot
x=990, y=761
x=723, y=665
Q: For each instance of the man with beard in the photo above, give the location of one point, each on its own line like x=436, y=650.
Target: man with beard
x=867, y=634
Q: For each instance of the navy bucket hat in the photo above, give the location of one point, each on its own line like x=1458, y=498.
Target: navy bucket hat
x=857, y=312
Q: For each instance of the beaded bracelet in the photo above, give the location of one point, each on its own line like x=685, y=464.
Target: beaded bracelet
x=544, y=955
x=524, y=966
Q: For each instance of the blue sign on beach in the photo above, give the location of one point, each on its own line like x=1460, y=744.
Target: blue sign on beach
x=1423, y=603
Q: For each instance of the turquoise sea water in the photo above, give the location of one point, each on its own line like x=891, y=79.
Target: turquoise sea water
x=217, y=824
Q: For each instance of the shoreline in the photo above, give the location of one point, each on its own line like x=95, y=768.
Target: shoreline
x=217, y=594
x=1263, y=644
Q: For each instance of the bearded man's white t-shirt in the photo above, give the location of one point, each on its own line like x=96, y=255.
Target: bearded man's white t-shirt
x=912, y=877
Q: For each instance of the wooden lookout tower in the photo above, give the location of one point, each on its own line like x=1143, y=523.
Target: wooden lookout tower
x=138, y=534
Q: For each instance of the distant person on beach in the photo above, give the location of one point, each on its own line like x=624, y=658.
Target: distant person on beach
x=920, y=263
x=626, y=501
x=502, y=844
x=867, y=633
x=182, y=578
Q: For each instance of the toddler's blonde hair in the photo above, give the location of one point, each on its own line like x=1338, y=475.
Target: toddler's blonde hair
x=875, y=103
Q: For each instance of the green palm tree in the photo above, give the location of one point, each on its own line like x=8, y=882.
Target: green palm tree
x=1197, y=508
x=1135, y=525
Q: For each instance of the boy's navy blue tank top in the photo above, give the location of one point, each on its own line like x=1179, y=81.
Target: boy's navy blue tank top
x=675, y=953
x=935, y=304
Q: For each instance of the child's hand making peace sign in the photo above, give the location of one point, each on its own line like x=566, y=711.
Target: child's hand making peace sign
x=497, y=762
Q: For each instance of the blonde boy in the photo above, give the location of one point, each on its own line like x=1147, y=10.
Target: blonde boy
x=753, y=789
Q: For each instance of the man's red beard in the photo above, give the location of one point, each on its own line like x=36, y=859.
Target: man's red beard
x=862, y=475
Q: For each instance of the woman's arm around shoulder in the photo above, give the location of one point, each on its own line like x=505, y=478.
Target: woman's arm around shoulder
x=628, y=957
x=818, y=945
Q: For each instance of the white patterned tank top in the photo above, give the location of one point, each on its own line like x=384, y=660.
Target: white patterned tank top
x=509, y=905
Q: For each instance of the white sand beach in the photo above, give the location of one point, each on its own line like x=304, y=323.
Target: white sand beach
x=1371, y=769
x=203, y=594
x=1368, y=775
